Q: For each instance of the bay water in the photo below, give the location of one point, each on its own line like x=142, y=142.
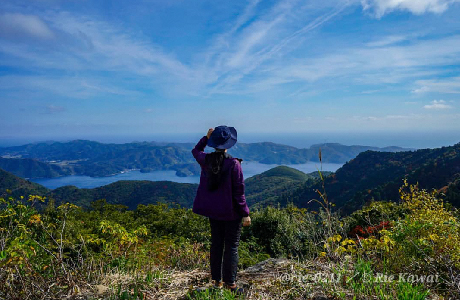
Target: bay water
x=250, y=169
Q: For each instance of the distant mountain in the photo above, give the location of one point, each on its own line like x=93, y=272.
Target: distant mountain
x=32, y=168
x=378, y=176
x=95, y=159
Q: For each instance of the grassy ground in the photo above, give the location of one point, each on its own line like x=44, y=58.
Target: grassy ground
x=270, y=279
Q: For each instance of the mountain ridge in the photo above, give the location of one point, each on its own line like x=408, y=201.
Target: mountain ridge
x=95, y=159
x=378, y=175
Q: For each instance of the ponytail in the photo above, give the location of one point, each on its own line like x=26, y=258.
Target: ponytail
x=214, y=162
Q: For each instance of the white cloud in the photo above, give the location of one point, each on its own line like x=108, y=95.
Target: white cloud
x=418, y=7
x=375, y=65
x=16, y=26
x=388, y=40
x=437, y=104
x=449, y=85
x=388, y=118
x=420, y=90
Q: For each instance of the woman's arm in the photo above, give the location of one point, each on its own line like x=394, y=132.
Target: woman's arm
x=238, y=190
x=198, y=151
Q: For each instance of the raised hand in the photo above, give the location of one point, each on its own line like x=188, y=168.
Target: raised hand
x=210, y=130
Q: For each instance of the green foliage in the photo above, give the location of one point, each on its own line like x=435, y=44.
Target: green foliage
x=66, y=244
x=289, y=232
x=373, y=214
x=213, y=294
x=250, y=253
x=407, y=291
x=423, y=239
x=52, y=250
x=132, y=292
x=429, y=233
x=162, y=220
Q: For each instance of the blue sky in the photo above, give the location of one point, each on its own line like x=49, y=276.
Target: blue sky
x=88, y=69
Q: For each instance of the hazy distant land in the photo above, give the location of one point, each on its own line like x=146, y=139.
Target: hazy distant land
x=89, y=158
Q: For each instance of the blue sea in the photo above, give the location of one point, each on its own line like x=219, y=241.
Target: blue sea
x=249, y=169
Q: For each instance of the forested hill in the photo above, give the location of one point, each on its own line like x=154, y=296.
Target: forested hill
x=266, y=188
x=80, y=157
x=378, y=175
x=261, y=190
x=17, y=186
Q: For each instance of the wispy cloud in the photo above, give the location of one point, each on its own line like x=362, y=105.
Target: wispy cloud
x=448, y=85
x=68, y=87
x=437, y=104
x=420, y=90
x=382, y=65
x=418, y=7
x=388, y=40
x=19, y=26
x=255, y=47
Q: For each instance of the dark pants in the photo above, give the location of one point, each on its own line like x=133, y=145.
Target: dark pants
x=225, y=238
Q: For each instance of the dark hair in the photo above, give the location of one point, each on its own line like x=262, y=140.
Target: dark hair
x=214, y=162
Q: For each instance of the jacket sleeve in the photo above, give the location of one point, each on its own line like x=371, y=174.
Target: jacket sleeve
x=238, y=190
x=198, y=151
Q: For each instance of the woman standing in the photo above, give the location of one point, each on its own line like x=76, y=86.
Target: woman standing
x=220, y=197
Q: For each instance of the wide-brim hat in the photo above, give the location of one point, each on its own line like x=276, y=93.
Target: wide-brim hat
x=223, y=137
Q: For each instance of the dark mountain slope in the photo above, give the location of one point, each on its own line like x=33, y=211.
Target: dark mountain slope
x=268, y=187
x=18, y=186
x=378, y=175
x=130, y=193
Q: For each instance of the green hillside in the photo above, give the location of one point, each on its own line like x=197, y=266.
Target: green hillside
x=18, y=186
x=268, y=187
x=130, y=193
x=377, y=176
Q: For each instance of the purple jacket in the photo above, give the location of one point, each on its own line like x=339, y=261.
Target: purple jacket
x=228, y=201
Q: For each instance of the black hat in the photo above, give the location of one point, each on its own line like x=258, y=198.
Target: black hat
x=223, y=137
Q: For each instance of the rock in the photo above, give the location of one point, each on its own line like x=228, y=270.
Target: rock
x=320, y=297
x=266, y=264
x=101, y=289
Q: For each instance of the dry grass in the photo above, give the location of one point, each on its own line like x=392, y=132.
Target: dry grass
x=266, y=280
